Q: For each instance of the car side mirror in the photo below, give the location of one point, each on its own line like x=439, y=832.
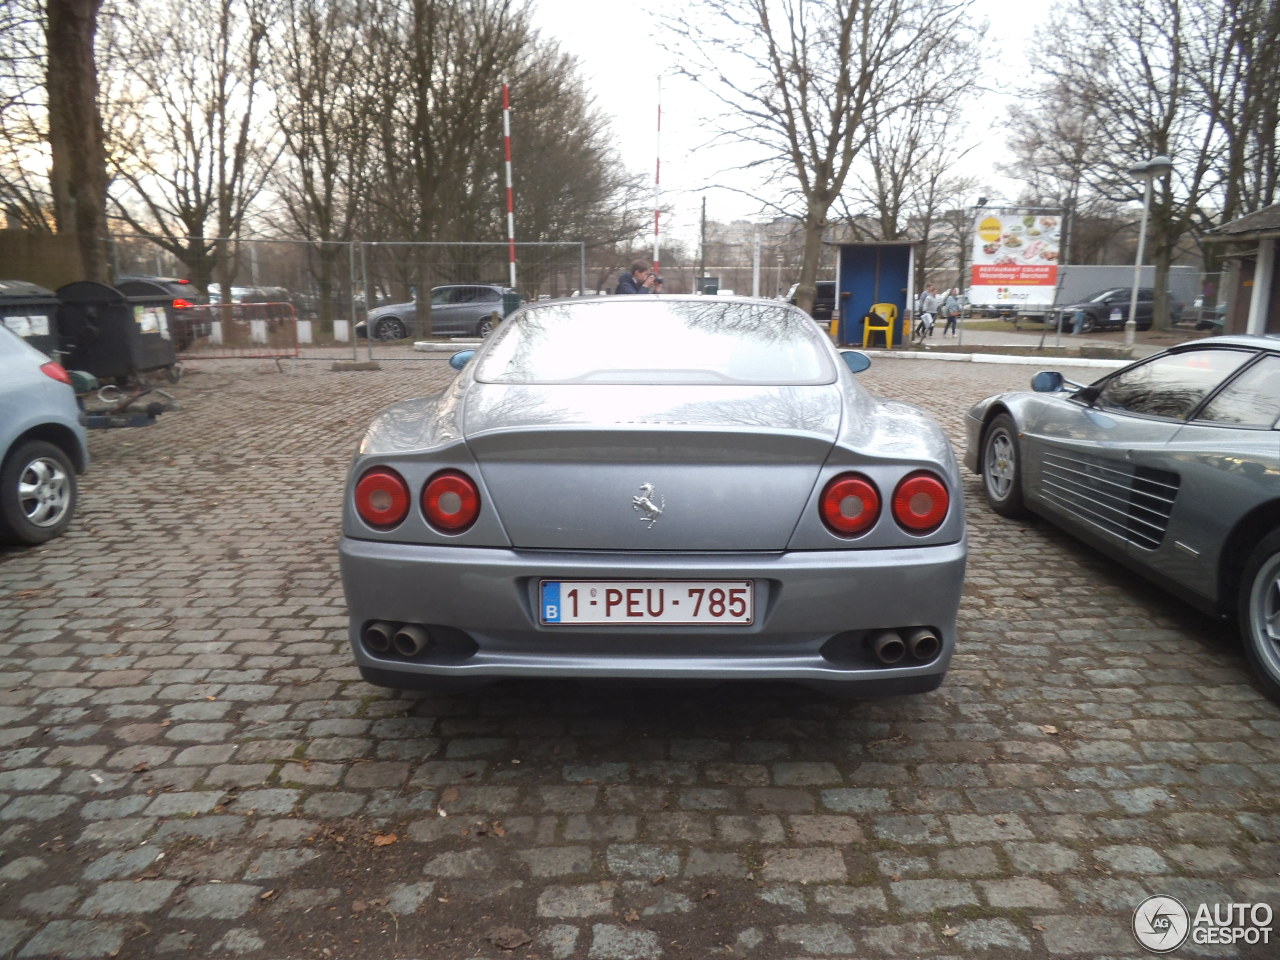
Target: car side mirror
x=1047, y=381
x=855, y=361
x=461, y=359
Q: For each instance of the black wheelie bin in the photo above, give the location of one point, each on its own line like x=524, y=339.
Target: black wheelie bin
x=114, y=336
x=31, y=312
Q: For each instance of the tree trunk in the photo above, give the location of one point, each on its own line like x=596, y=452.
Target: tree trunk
x=78, y=173
x=814, y=226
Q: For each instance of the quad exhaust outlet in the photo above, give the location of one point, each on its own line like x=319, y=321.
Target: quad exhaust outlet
x=378, y=636
x=420, y=642
x=921, y=644
x=410, y=640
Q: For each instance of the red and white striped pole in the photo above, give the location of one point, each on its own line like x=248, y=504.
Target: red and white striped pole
x=511, y=203
x=657, y=181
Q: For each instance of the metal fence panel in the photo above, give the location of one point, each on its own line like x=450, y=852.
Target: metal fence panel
x=241, y=330
x=330, y=287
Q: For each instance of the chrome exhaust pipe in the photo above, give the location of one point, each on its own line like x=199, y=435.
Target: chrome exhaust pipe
x=377, y=636
x=888, y=647
x=410, y=640
x=923, y=644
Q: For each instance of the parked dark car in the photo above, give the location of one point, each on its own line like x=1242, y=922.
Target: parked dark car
x=457, y=310
x=189, y=317
x=1098, y=310
x=42, y=444
x=1170, y=465
x=824, y=300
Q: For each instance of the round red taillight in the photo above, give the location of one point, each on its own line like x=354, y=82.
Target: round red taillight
x=850, y=505
x=451, y=501
x=382, y=497
x=921, y=502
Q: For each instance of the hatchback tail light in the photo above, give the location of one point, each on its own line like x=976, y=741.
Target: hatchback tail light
x=382, y=497
x=850, y=504
x=451, y=501
x=921, y=502
x=57, y=371
x=180, y=304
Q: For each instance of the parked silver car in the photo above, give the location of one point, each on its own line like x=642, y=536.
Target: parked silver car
x=655, y=487
x=42, y=444
x=1170, y=465
x=459, y=309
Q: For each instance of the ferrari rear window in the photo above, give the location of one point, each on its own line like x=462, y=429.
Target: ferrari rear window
x=650, y=339
x=1250, y=400
x=1173, y=385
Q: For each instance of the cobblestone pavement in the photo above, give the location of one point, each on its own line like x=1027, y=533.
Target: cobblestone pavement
x=190, y=766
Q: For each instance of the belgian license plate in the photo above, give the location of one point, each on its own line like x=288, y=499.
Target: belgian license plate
x=647, y=601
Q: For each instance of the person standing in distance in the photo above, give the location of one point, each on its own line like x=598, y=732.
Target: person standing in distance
x=927, y=311
x=951, y=310
x=638, y=280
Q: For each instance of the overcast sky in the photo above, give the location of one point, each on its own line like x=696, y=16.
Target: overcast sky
x=617, y=44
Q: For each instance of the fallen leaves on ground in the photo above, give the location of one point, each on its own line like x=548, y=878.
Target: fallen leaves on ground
x=508, y=938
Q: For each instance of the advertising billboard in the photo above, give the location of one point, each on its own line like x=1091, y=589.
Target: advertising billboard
x=1015, y=257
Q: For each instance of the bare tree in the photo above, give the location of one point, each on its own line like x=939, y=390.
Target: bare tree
x=1052, y=151
x=191, y=152
x=440, y=65
x=804, y=84
x=902, y=186
x=1235, y=70
x=78, y=169
x=24, y=147
x=323, y=107
x=391, y=116
x=569, y=182
x=1195, y=80
x=1129, y=64
x=1234, y=64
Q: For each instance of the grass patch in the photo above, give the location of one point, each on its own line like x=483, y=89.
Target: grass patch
x=1001, y=326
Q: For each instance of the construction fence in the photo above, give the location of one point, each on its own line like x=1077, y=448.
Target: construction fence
x=285, y=296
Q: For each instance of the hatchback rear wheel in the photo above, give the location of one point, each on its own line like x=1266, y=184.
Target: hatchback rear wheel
x=1260, y=614
x=37, y=493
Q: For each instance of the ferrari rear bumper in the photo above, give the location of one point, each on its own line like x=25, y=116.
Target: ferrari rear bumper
x=817, y=614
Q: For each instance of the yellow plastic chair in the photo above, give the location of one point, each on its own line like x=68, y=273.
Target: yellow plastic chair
x=888, y=314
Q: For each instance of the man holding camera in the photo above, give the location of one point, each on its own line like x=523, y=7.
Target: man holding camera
x=641, y=279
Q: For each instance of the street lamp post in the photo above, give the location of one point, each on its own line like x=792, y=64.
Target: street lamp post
x=966, y=282
x=1148, y=170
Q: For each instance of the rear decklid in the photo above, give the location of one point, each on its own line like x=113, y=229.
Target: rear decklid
x=645, y=467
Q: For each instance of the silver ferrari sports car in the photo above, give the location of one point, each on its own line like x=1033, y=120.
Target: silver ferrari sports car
x=1170, y=465
x=673, y=488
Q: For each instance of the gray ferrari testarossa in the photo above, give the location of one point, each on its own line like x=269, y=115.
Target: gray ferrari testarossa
x=1170, y=465
x=644, y=487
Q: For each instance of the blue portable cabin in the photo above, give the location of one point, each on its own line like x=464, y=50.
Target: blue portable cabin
x=870, y=272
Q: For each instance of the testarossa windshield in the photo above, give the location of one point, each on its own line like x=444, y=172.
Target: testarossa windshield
x=648, y=339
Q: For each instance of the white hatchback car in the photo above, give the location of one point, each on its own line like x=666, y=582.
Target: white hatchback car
x=42, y=444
